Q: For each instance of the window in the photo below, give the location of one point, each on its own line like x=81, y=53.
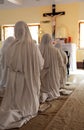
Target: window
x=81, y=34
x=9, y=31
x=34, y=32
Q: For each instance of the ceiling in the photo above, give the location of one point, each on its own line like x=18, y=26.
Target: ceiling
x=32, y=3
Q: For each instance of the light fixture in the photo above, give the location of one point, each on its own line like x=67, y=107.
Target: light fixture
x=16, y=1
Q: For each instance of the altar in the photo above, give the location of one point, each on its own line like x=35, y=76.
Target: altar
x=71, y=48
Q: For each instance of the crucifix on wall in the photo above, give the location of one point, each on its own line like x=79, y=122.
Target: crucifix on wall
x=53, y=14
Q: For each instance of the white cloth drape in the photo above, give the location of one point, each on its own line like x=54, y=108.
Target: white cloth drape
x=3, y=69
x=5, y=45
x=24, y=63
x=63, y=71
x=50, y=75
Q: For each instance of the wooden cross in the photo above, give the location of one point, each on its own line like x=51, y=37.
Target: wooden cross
x=53, y=14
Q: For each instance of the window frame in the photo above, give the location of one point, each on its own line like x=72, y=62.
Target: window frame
x=11, y=25
x=80, y=45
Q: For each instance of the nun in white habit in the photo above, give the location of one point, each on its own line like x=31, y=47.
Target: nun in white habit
x=0, y=65
x=63, y=76
x=50, y=75
x=3, y=68
x=24, y=63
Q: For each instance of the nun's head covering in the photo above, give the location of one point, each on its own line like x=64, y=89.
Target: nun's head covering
x=7, y=42
x=46, y=39
x=22, y=31
x=58, y=45
x=22, y=45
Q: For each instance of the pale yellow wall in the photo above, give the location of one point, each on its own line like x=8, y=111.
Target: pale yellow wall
x=29, y=15
x=80, y=55
x=81, y=11
x=69, y=22
x=66, y=25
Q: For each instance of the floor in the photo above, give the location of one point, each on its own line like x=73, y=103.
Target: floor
x=43, y=119
x=76, y=76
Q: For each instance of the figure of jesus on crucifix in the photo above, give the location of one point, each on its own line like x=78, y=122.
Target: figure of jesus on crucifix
x=53, y=27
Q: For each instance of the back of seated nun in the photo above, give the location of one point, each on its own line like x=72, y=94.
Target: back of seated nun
x=50, y=75
x=63, y=73
x=24, y=63
x=3, y=73
x=0, y=65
